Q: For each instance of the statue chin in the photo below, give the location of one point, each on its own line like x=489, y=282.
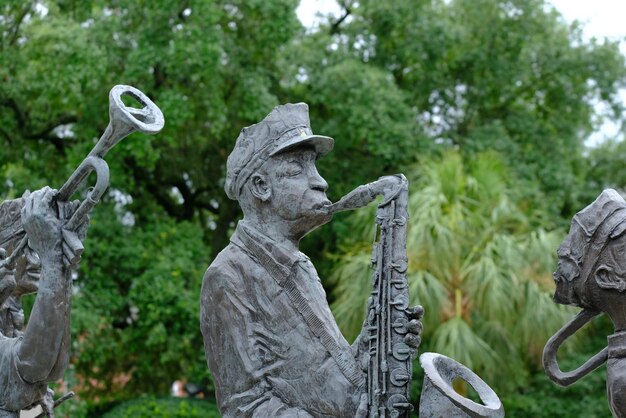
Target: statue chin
x=566, y=295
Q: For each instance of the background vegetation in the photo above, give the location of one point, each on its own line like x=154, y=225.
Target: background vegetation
x=484, y=104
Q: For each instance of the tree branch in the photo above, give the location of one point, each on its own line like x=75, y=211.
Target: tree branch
x=334, y=26
x=15, y=30
x=45, y=131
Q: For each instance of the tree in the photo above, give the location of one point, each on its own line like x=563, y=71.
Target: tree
x=509, y=76
x=481, y=272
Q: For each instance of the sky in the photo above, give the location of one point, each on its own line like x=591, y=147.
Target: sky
x=600, y=19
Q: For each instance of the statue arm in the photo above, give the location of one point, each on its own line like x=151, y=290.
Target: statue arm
x=45, y=344
x=43, y=353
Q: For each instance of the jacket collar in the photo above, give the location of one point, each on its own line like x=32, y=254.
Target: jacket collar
x=247, y=236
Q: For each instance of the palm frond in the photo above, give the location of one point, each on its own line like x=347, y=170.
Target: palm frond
x=455, y=338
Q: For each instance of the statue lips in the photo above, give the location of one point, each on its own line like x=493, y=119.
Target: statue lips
x=565, y=293
x=323, y=206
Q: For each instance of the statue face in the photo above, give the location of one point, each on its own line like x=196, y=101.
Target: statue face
x=298, y=191
x=606, y=272
x=27, y=272
x=567, y=275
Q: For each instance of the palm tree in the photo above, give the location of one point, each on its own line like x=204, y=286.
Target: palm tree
x=481, y=272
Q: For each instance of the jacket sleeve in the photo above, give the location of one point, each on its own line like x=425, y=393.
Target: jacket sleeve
x=234, y=355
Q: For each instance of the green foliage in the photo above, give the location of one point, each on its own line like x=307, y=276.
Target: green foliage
x=606, y=162
x=136, y=308
x=587, y=398
x=164, y=408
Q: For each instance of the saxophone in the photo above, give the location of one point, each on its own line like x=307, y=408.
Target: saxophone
x=389, y=368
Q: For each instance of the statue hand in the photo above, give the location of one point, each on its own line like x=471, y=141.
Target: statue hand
x=413, y=337
x=47, y=404
x=42, y=224
x=73, y=240
x=387, y=185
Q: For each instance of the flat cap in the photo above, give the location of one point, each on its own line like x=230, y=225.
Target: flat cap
x=593, y=226
x=286, y=126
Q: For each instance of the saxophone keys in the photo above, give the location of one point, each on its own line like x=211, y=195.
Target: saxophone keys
x=401, y=265
x=397, y=403
x=399, y=377
x=400, y=302
x=401, y=352
x=401, y=221
x=399, y=283
x=400, y=325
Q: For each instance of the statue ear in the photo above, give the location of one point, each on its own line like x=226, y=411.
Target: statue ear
x=606, y=279
x=259, y=187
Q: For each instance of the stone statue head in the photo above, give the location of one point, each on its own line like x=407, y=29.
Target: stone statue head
x=271, y=171
x=23, y=277
x=591, y=270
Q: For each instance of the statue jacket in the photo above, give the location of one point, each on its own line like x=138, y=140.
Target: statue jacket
x=272, y=343
x=15, y=392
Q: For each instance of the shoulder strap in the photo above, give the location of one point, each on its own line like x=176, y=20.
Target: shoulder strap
x=285, y=279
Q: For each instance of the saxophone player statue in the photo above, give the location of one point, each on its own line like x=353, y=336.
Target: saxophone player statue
x=272, y=343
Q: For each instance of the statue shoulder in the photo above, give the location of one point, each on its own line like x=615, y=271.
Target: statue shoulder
x=227, y=270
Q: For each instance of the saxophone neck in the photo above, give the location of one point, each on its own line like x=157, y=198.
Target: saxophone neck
x=390, y=187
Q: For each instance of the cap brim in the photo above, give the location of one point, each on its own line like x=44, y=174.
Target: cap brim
x=322, y=144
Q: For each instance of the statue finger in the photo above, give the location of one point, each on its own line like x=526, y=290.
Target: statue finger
x=82, y=229
x=415, y=312
x=72, y=242
x=412, y=340
x=70, y=259
x=415, y=326
x=48, y=196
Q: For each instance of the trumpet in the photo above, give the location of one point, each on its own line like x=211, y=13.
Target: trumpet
x=550, y=363
x=123, y=121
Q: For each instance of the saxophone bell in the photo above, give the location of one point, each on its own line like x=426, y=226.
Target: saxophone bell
x=439, y=399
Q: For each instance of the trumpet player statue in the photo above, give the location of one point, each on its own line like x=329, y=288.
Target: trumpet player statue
x=33, y=356
x=271, y=341
x=591, y=274
x=40, y=243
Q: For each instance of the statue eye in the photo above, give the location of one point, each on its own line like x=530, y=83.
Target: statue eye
x=293, y=169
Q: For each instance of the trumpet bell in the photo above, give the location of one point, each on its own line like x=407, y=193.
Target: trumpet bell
x=440, y=400
x=148, y=120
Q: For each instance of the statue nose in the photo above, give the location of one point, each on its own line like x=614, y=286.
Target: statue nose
x=318, y=182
